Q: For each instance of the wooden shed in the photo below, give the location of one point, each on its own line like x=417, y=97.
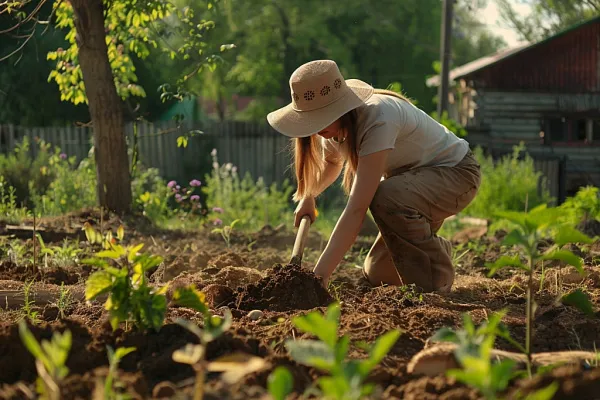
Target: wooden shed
x=545, y=94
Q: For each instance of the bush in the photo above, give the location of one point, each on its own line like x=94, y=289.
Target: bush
x=73, y=186
x=21, y=172
x=254, y=204
x=585, y=205
x=507, y=185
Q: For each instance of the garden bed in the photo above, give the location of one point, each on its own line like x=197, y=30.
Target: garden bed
x=254, y=274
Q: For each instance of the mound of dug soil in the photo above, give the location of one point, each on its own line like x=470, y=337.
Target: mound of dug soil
x=285, y=288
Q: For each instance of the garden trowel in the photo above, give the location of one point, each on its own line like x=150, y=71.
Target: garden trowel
x=300, y=242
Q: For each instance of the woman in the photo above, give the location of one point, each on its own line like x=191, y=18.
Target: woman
x=409, y=170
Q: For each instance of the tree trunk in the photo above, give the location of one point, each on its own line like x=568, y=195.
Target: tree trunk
x=110, y=147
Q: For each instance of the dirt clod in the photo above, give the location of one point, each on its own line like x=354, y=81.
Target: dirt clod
x=218, y=295
x=285, y=288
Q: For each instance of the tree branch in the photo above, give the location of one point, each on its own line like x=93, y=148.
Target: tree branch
x=27, y=37
x=29, y=17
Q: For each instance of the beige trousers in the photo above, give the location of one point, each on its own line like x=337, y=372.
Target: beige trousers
x=409, y=208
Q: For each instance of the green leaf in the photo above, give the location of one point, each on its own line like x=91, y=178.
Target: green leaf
x=506, y=261
x=567, y=257
x=546, y=393
x=445, y=334
x=190, y=297
x=133, y=252
x=501, y=374
x=280, y=383
x=98, y=283
x=383, y=345
x=313, y=353
x=29, y=341
x=579, y=300
x=515, y=217
x=514, y=238
x=568, y=234
x=323, y=328
x=182, y=141
x=112, y=254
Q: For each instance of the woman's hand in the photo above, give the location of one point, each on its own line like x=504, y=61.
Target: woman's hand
x=305, y=206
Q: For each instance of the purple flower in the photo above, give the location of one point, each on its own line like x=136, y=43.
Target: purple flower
x=217, y=222
x=217, y=210
x=178, y=197
x=195, y=182
x=171, y=184
x=63, y=156
x=195, y=198
x=177, y=187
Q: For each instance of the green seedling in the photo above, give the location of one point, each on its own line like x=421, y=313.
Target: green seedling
x=108, y=391
x=226, y=231
x=530, y=229
x=50, y=360
x=474, y=354
x=64, y=253
x=347, y=377
x=27, y=311
x=64, y=301
x=122, y=276
x=232, y=366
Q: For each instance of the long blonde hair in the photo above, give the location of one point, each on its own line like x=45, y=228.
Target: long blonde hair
x=309, y=161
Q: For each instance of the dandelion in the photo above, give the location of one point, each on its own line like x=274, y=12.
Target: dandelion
x=171, y=184
x=217, y=222
x=195, y=183
x=63, y=156
x=217, y=210
x=195, y=198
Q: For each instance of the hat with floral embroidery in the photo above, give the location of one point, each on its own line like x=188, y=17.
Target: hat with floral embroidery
x=320, y=95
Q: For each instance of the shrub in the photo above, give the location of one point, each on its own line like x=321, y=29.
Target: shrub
x=73, y=186
x=254, y=204
x=507, y=185
x=21, y=172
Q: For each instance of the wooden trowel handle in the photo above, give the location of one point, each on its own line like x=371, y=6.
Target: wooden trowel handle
x=301, y=239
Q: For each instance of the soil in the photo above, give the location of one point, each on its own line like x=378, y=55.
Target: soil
x=244, y=279
x=285, y=288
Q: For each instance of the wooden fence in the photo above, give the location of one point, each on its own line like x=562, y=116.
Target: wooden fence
x=251, y=147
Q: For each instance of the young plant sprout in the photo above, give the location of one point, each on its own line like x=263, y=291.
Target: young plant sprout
x=50, y=360
x=531, y=228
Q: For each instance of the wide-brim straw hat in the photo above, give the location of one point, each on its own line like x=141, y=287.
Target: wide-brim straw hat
x=320, y=95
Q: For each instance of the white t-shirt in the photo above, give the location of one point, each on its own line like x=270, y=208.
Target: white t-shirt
x=416, y=139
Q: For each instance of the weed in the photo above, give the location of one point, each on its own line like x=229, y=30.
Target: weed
x=50, y=360
x=226, y=231
x=347, y=378
x=64, y=301
x=529, y=230
x=509, y=183
x=27, y=312
x=9, y=210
